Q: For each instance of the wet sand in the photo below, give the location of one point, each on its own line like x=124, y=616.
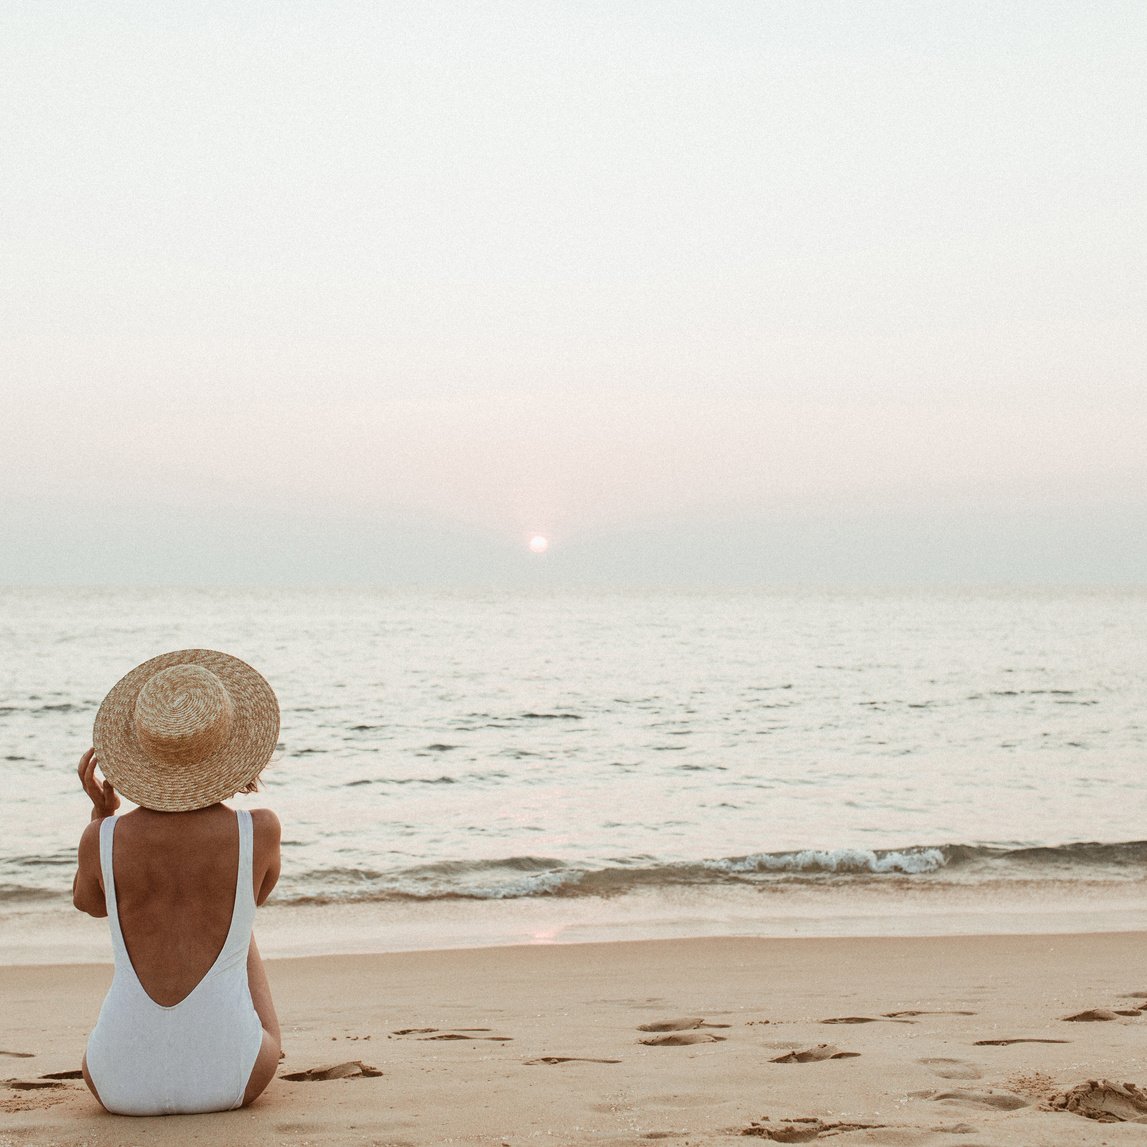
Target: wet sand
x=958, y=1041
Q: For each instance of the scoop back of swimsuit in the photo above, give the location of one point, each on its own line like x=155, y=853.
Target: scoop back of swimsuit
x=197, y=1055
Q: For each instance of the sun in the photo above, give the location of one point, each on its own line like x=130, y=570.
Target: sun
x=539, y=543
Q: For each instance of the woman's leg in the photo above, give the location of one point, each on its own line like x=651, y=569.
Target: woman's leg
x=268, y=1058
x=88, y=1081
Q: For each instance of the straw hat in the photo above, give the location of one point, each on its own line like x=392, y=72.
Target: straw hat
x=186, y=729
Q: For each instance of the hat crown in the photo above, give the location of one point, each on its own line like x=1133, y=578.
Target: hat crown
x=183, y=714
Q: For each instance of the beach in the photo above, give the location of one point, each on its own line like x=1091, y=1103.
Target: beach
x=522, y=831
x=958, y=1041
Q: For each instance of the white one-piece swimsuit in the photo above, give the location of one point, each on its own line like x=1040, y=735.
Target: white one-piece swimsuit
x=197, y=1055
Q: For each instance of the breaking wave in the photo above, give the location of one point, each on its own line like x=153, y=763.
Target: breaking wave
x=520, y=877
x=530, y=876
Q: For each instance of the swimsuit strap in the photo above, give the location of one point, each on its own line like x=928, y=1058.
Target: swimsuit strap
x=107, y=832
x=245, y=876
x=243, y=911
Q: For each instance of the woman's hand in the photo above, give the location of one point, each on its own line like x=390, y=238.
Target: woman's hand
x=104, y=798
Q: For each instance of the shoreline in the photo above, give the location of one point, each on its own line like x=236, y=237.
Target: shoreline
x=58, y=934
x=948, y=1040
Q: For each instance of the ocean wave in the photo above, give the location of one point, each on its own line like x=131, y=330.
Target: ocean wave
x=909, y=861
x=48, y=707
x=28, y=893
x=522, y=877
x=440, y=780
x=1093, y=855
x=529, y=876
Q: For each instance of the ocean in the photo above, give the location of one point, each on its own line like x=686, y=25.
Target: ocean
x=465, y=767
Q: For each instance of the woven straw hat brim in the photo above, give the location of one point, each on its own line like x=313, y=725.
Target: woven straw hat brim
x=137, y=775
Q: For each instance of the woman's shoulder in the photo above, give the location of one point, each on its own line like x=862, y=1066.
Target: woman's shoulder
x=265, y=825
x=90, y=837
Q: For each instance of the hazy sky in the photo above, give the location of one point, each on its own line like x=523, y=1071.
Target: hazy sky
x=702, y=291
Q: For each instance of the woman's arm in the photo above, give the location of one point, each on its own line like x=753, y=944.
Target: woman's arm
x=88, y=885
x=267, y=833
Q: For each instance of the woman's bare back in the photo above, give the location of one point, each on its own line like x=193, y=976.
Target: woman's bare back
x=175, y=885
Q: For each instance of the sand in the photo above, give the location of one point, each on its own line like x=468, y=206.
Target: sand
x=898, y=1041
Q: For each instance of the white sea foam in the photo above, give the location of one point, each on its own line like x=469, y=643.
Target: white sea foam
x=908, y=861
x=536, y=884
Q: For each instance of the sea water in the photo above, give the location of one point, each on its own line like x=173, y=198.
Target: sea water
x=629, y=763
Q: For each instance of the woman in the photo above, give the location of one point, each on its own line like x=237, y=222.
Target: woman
x=188, y=1024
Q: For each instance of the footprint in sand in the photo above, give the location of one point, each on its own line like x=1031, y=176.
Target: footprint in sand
x=964, y=1097
x=814, y=1054
x=682, y=1039
x=1104, y=1101
x=551, y=1059
x=866, y=1020
x=681, y=1032
x=1096, y=1015
x=898, y=1015
x=951, y=1068
x=465, y=1035
x=802, y=1130
x=685, y=1023
x=352, y=1068
x=1021, y=1039
x=47, y=1082
x=454, y=1033
x=19, y=1054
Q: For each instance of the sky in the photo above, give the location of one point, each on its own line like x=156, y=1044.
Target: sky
x=318, y=291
